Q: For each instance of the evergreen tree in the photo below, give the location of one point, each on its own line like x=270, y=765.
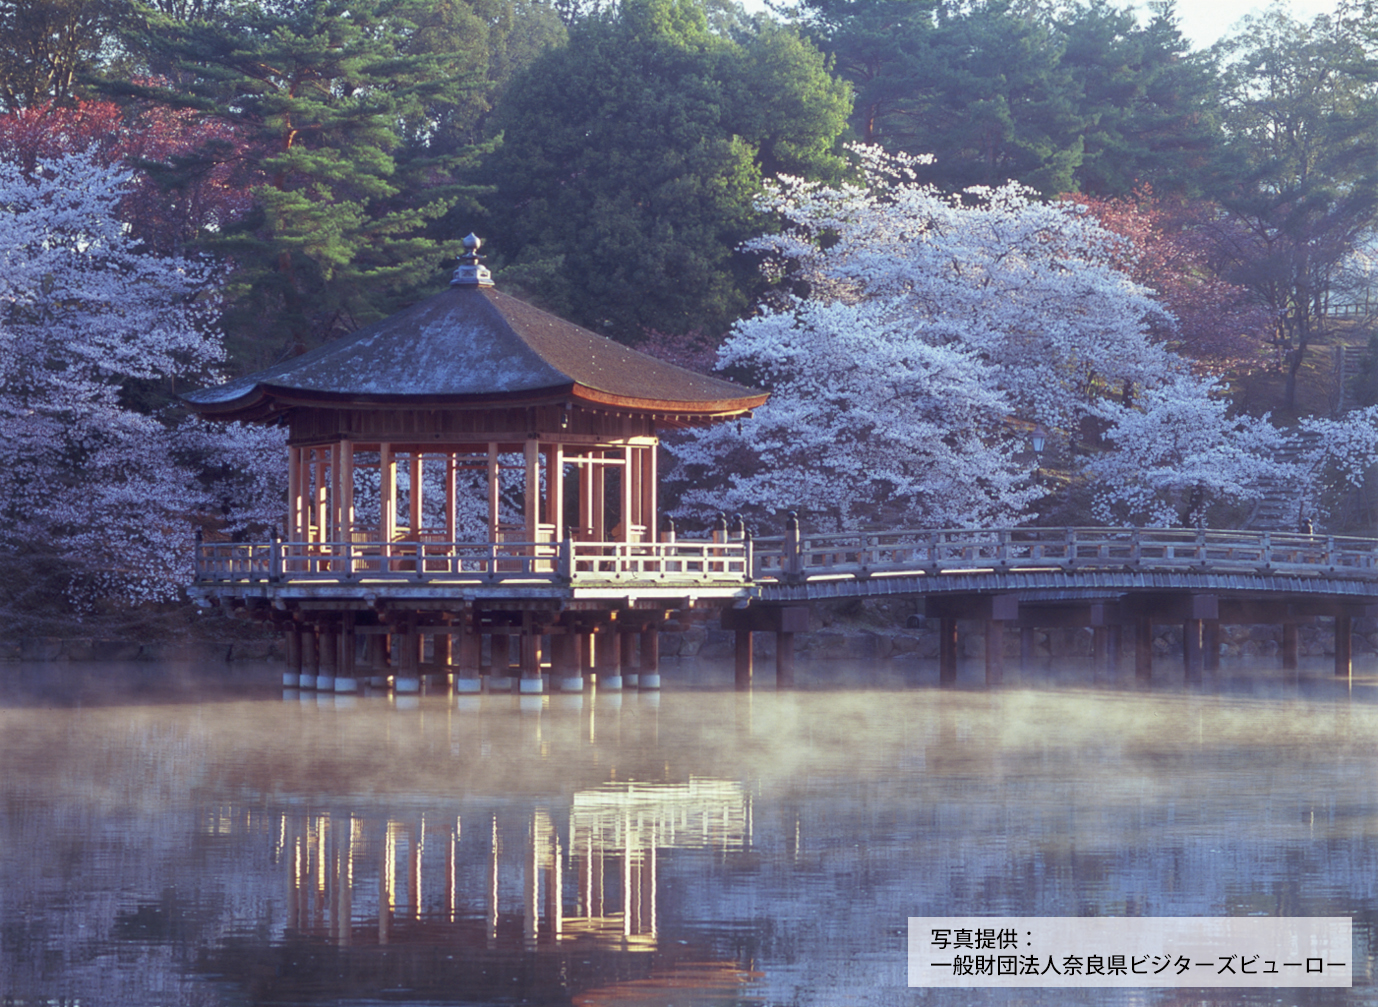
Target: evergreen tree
x=342, y=108
x=631, y=158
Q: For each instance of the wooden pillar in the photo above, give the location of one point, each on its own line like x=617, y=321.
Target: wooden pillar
x=627, y=476
x=346, y=679
x=743, y=656
x=784, y=660
x=1289, y=646
x=585, y=477
x=310, y=657
x=649, y=671
x=649, y=490
x=606, y=654
x=1114, y=637
x=626, y=652
x=416, y=504
x=322, y=493
x=531, y=681
x=346, y=500
x=467, y=655
x=1026, y=646
x=451, y=497
x=1210, y=645
x=408, y=644
x=1143, y=648
x=329, y=639
x=531, y=492
x=555, y=483
x=1191, y=649
x=1344, y=644
x=995, y=651
x=565, y=674
x=947, y=651
x=294, y=498
x=1099, y=649
x=387, y=498
x=494, y=492
x=291, y=675
x=586, y=645
x=598, y=500
x=442, y=646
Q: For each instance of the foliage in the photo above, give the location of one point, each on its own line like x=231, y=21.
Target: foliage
x=1082, y=99
x=915, y=325
x=1180, y=453
x=1176, y=247
x=349, y=115
x=631, y=157
x=1303, y=184
x=104, y=486
x=46, y=45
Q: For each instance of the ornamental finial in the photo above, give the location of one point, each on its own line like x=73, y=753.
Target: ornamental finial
x=471, y=271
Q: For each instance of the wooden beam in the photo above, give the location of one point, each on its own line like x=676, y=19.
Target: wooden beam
x=494, y=491
x=531, y=491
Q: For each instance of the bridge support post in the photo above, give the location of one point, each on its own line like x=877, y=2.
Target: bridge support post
x=1344, y=644
x=1191, y=649
x=784, y=660
x=1143, y=648
x=531, y=682
x=1026, y=646
x=1100, y=657
x=565, y=675
x=291, y=677
x=995, y=651
x=1114, y=643
x=650, y=659
x=442, y=652
x=1210, y=645
x=377, y=652
x=466, y=653
x=1289, y=646
x=408, y=677
x=605, y=656
x=345, y=680
x=310, y=657
x=742, y=653
x=947, y=651
x=329, y=639
x=626, y=644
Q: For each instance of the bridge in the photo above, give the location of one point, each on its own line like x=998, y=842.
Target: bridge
x=1116, y=581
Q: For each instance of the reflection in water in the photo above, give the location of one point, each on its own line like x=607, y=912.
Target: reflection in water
x=711, y=848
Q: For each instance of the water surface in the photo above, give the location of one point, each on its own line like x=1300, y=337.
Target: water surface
x=176, y=835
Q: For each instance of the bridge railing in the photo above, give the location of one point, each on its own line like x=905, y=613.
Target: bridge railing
x=935, y=551
x=588, y=563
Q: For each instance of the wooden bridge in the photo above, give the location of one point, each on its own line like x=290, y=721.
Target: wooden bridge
x=1112, y=580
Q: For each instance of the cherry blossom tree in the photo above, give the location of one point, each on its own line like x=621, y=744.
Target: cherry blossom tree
x=908, y=332
x=1179, y=453
x=106, y=491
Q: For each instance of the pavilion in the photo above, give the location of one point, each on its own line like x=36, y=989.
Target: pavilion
x=472, y=466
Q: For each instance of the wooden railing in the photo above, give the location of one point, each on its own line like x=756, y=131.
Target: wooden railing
x=590, y=563
x=936, y=551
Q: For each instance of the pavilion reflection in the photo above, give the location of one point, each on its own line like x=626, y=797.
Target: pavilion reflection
x=582, y=874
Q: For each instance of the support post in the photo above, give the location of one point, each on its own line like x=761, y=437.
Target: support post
x=947, y=651
x=1143, y=648
x=310, y=657
x=742, y=654
x=626, y=658
x=291, y=677
x=784, y=660
x=408, y=678
x=1344, y=644
x=995, y=651
x=1191, y=649
x=378, y=659
x=466, y=655
x=650, y=659
x=1026, y=647
x=1289, y=646
x=329, y=667
x=345, y=677
x=531, y=681
x=564, y=662
x=605, y=658
x=1210, y=645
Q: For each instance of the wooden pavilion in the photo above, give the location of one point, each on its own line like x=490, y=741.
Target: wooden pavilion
x=471, y=466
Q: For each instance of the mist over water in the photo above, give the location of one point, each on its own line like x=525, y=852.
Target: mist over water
x=179, y=835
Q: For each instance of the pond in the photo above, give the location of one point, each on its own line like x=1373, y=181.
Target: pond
x=173, y=834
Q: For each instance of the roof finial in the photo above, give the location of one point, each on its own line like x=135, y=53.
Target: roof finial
x=471, y=271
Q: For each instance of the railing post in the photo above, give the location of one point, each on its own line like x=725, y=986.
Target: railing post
x=1071, y=558
x=420, y=570
x=275, y=557
x=1002, y=550
x=749, y=553
x=1135, y=547
x=197, y=562
x=566, y=563
x=793, y=563
x=1267, y=549
x=720, y=528
x=1330, y=551
x=1201, y=545
x=347, y=555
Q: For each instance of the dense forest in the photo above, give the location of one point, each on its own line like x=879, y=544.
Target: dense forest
x=657, y=170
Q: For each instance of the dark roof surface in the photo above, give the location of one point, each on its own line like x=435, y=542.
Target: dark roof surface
x=468, y=345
